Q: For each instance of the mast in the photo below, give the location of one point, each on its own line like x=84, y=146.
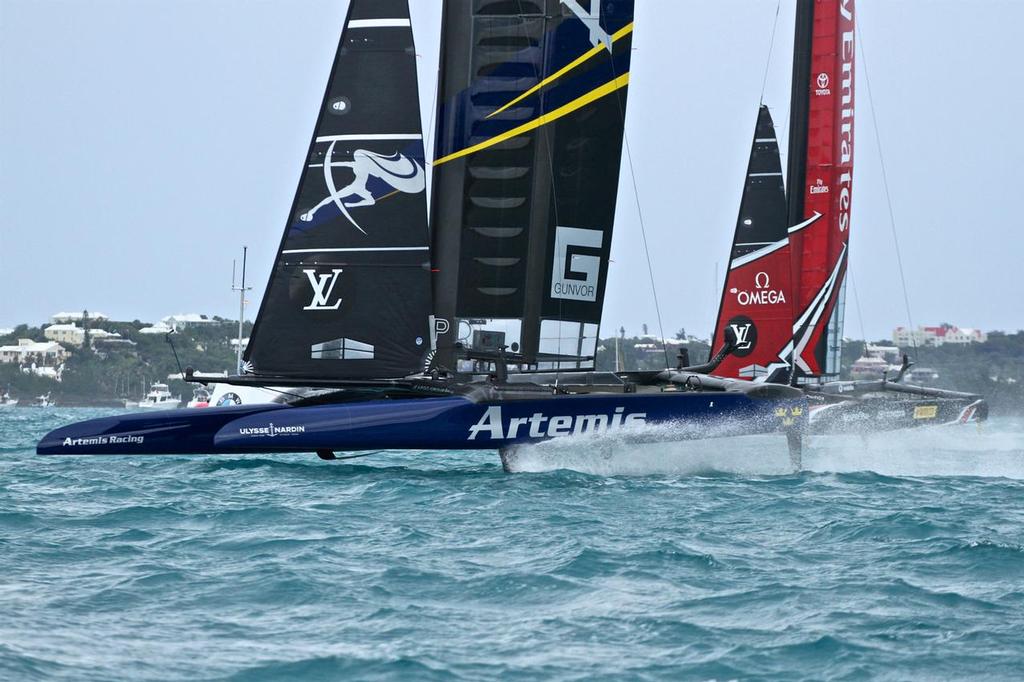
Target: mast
x=796, y=167
x=241, y=289
x=820, y=181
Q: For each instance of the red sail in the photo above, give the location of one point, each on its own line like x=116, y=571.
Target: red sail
x=820, y=249
x=757, y=298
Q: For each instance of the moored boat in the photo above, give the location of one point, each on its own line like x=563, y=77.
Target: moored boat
x=159, y=398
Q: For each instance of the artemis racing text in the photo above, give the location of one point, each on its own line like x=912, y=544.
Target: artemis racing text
x=102, y=440
x=538, y=425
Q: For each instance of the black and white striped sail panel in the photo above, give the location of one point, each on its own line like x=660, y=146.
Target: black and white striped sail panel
x=757, y=296
x=349, y=295
x=529, y=140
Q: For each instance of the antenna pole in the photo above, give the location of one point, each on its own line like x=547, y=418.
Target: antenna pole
x=241, y=289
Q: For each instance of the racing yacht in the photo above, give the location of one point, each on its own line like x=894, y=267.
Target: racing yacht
x=471, y=323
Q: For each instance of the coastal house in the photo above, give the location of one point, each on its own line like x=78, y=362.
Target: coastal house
x=158, y=328
x=182, y=320
x=937, y=336
x=72, y=335
x=58, y=318
x=43, y=358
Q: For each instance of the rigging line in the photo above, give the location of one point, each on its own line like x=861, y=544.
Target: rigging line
x=888, y=196
x=640, y=218
x=771, y=47
x=856, y=301
x=428, y=155
x=647, y=251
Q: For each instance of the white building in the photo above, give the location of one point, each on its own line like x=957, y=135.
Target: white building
x=158, y=328
x=187, y=320
x=39, y=353
x=73, y=335
x=76, y=317
x=937, y=336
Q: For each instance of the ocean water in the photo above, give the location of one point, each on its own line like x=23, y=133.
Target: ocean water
x=893, y=557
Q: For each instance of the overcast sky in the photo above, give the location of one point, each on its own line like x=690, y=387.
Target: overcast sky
x=143, y=142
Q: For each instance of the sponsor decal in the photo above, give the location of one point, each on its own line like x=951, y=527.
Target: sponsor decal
x=374, y=176
x=539, y=425
x=323, y=285
x=103, y=440
x=230, y=398
x=819, y=187
x=270, y=430
x=591, y=18
x=926, y=411
x=762, y=294
x=577, y=263
x=789, y=415
x=822, y=82
x=846, y=51
x=746, y=335
x=339, y=106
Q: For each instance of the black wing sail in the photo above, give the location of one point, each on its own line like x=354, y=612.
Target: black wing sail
x=349, y=295
x=529, y=140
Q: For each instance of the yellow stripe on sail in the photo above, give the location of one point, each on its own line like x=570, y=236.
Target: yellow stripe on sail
x=581, y=101
x=625, y=30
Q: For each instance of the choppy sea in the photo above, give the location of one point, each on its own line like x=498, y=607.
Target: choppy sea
x=892, y=557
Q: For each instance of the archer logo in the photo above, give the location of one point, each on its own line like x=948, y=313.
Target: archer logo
x=322, y=286
x=745, y=332
x=374, y=178
x=577, y=263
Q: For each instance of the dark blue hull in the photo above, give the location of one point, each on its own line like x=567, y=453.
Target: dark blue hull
x=436, y=423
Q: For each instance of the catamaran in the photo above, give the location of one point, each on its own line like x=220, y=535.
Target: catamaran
x=474, y=324
x=784, y=294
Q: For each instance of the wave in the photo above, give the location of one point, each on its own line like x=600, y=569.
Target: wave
x=991, y=451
